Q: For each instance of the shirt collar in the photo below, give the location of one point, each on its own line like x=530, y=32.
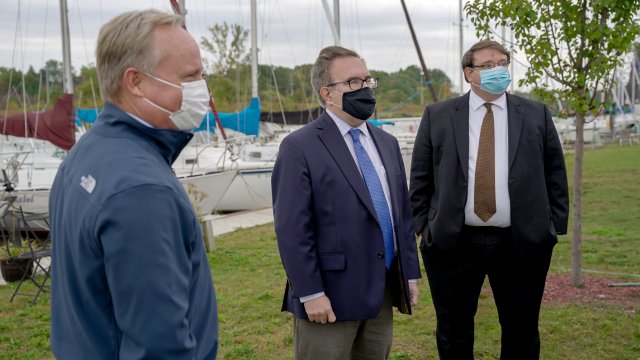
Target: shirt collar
x=140, y=120
x=344, y=127
x=476, y=102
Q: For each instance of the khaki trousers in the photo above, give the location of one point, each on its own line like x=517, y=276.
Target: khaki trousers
x=346, y=340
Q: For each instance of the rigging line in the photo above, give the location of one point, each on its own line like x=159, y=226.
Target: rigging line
x=11, y=69
x=40, y=75
x=286, y=34
x=400, y=52
x=86, y=54
x=302, y=84
x=453, y=61
x=406, y=100
x=24, y=90
x=84, y=41
x=357, y=12
x=275, y=81
x=195, y=21
x=308, y=33
x=46, y=22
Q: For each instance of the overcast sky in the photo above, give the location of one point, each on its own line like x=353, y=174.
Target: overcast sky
x=290, y=32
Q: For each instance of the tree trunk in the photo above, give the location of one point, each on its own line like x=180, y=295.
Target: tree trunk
x=576, y=267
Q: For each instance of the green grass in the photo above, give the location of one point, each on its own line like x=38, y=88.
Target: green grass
x=249, y=282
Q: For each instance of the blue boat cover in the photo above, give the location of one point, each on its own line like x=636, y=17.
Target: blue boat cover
x=246, y=121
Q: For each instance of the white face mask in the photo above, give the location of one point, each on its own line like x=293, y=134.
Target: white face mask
x=195, y=103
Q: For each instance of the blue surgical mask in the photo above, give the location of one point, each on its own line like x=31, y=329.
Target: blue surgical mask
x=495, y=81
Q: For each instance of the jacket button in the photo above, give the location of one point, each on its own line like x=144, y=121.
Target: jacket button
x=380, y=254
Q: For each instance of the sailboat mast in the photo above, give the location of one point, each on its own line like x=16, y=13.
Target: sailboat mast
x=66, y=48
x=254, y=50
x=333, y=20
x=424, y=66
x=336, y=16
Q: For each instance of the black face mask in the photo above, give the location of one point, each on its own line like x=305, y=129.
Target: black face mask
x=360, y=103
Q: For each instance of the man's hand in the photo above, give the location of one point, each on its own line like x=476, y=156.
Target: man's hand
x=413, y=293
x=319, y=310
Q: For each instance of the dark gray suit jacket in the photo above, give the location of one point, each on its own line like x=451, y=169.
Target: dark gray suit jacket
x=537, y=175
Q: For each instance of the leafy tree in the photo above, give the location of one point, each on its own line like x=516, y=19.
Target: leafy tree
x=228, y=44
x=577, y=44
x=87, y=89
x=53, y=71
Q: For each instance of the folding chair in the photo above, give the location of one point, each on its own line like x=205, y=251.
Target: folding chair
x=37, y=251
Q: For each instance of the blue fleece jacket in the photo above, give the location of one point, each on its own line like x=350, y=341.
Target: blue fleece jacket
x=130, y=277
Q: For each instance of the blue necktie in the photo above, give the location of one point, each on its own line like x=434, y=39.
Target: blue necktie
x=377, y=194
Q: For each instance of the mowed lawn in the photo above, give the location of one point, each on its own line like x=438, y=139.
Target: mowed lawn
x=249, y=281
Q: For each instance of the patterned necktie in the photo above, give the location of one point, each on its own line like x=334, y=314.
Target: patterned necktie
x=377, y=194
x=485, y=186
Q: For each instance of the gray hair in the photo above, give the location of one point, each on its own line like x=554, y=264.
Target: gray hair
x=320, y=76
x=467, y=58
x=127, y=41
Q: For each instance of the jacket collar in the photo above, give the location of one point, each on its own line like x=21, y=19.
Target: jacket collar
x=114, y=122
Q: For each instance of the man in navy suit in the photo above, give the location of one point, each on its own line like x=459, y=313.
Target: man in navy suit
x=343, y=220
x=489, y=195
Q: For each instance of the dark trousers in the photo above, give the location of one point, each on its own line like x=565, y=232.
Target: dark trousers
x=517, y=282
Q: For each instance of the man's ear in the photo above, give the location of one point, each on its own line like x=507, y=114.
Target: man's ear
x=325, y=93
x=132, y=82
x=467, y=73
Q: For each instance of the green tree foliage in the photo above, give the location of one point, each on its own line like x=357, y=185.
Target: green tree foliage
x=228, y=45
x=53, y=72
x=18, y=89
x=87, y=90
x=577, y=44
x=399, y=93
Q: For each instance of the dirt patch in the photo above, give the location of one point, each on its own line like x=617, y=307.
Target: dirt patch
x=597, y=289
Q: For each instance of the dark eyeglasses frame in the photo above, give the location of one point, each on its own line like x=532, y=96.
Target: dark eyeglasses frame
x=371, y=82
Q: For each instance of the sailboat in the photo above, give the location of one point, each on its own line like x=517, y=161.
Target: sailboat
x=251, y=189
x=31, y=173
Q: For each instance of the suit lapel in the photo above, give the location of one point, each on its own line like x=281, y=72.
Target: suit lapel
x=460, y=120
x=515, y=117
x=333, y=141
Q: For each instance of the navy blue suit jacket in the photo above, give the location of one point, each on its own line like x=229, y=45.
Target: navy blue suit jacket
x=327, y=229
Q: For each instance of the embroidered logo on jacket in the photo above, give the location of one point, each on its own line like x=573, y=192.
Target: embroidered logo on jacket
x=88, y=183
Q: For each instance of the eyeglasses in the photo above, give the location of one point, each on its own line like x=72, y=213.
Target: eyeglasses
x=357, y=84
x=490, y=65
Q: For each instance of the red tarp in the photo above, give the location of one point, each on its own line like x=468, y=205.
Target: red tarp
x=56, y=126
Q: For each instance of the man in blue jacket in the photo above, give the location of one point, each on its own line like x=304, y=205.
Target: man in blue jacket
x=130, y=277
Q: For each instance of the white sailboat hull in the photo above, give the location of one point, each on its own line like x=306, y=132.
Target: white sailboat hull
x=206, y=190
x=250, y=190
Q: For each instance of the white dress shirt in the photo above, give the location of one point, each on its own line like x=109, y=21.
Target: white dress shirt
x=370, y=148
x=477, y=110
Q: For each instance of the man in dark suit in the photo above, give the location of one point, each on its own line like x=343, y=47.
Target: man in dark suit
x=489, y=196
x=343, y=220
